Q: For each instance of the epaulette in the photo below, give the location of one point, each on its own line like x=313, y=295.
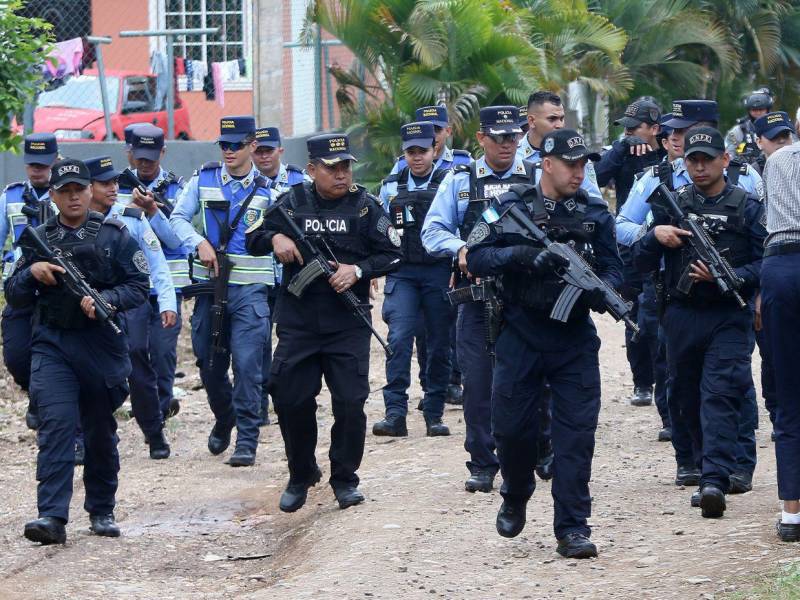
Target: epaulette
x=393, y=178
x=14, y=185
x=294, y=168
x=172, y=178
x=461, y=168
x=213, y=164
x=462, y=153
x=114, y=222
x=132, y=211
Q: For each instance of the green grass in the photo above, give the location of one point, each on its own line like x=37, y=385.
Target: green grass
x=783, y=584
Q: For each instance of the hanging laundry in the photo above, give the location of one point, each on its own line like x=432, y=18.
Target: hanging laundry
x=196, y=71
x=65, y=59
x=208, y=84
x=219, y=87
x=158, y=66
x=180, y=66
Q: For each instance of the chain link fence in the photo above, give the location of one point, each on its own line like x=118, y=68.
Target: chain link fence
x=210, y=72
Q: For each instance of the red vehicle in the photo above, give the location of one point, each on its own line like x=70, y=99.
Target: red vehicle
x=74, y=111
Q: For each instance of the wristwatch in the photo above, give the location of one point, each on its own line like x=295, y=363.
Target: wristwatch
x=359, y=272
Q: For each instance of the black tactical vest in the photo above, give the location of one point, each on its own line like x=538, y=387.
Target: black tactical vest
x=338, y=227
x=407, y=211
x=485, y=189
x=566, y=222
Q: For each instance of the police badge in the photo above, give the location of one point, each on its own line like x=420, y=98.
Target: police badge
x=479, y=233
x=250, y=217
x=393, y=236
x=548, y=145
x=140, y=262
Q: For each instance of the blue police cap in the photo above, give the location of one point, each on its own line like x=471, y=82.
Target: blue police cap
x=420, y=134
x=101, y=168
x=772, y=124
x=147, y=142
x=40, y=149
x=688, y=112
x=500, y=119
x=330, y=148
x=665, y=129
x=268, y=136
x=523, y=115
x=434, y=114
x=236, y=129
x=128, y=131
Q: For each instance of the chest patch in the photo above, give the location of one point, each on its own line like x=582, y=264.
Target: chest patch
x=250, y=217
x=495, y=190
x=326, y=225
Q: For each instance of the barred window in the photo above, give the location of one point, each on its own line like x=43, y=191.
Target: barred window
x=232, y=18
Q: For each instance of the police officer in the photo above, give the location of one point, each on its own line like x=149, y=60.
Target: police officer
x=708, y=334
x=24, y=203
x=444, y=158
x=127, y=133
x=280, y=177
x=163, y=187
x=317, y=334
x=419, y=286
x=740, y=140
x=773, y=131
x=631, y=225
x=230, y=198
x=454, y=212
x=545, y=114
x=138, y=321
x=79, y=365
x=632, y=154
x=532, y=346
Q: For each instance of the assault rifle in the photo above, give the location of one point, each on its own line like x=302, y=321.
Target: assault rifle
x=129, y=179
x=578, y=275
x=728, y=282
x=318, y=266
x=72, y=278
x=35, y=208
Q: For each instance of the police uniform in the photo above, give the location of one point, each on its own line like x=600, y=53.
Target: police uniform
x=220, y=199
x=449, y=158
x=455, y=210
x=284, y=179
x=741, y=139
x=418, y=287
x=633, y=221
x=526, y=151
x=709, y=343
x=22, y=204
x=79, y=366
x=137, y=321
x=532, y=346
x=318, y=335
x=147, y=142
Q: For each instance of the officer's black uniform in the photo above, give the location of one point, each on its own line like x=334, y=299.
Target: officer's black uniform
x=709, y=343
x=317, y=334
x=79, y=366
x=532, y=347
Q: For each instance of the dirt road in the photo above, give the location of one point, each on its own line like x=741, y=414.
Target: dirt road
x=195, y=528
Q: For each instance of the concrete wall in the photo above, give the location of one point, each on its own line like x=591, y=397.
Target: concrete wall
x=182, y=157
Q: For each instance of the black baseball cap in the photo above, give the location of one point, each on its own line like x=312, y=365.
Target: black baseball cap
x=772, y=124
x=330, y=148
x=69, y=170
x=499, y=120
x=40, y=149
x=703, y=139
x=641, y=111
x=147, y=142
x=101, y=168
x=420, y=134
x=434, y=114
x=268, y=136
x=688, y=112
x=566, y=144
x=236, y=129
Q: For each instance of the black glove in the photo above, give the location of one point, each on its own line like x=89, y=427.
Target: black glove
x=549, y=262
x=524, y=256
x=633, y=140
x=595, y=300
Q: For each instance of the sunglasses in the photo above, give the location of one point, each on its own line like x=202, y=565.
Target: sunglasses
x=231, y=146
x=503, y=138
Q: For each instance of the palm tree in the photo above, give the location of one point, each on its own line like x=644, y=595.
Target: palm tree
x=410, y=53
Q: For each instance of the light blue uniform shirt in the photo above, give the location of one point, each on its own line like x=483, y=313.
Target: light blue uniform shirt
x=389, y=190
x=188, y=204
x=632, y=219
x=160, y=277
x=440, y=230
x=527, y=152
x=159, y=221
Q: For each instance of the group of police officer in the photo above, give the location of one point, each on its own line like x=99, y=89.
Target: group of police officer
x=475, y=254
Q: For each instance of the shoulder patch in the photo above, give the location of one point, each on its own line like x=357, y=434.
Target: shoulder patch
x=132, y=211
x=255, y=225
x=479, y=233
x=393, y=236
x=140, y=262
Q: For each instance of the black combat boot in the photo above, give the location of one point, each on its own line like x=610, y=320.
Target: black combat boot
x=104, y=525
x=576, y=545
x=391, y=426
x=480, y=480
x=295, y=494
x=159, y=447
x=511, y=518
x=46, y=530
x=219, y=439
x=435, y=428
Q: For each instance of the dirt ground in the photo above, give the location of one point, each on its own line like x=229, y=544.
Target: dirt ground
x=195, y=528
